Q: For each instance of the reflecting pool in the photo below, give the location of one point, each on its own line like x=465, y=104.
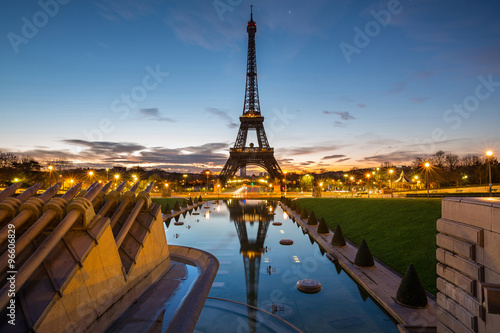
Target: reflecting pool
x=255, y=269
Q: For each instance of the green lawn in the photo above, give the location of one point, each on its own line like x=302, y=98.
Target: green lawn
x=397, y=231
x=171, y=202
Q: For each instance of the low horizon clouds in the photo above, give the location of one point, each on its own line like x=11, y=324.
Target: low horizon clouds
x=104, y=153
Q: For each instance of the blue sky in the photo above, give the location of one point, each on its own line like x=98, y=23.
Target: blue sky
x=161, y=83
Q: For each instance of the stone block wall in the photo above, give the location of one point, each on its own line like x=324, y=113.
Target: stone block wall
x=468, y=268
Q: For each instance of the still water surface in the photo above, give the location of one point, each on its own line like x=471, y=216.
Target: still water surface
x=256, y=270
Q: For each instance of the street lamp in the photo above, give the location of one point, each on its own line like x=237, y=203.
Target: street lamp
x=207, y=172
x=489, y=153
x=91, y=173
x=285, y=182
x=351, y=189
x=427, y=165
x=117, y=176
x=368, y=175
x=390, y=175
x=50, y=175
x=107, y=170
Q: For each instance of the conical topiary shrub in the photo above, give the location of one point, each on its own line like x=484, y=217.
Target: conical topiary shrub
x=298, y=210
x=293, y=206
x=364, y=257
x=190, y=201
x=303, y=214
x=184, y=204
x=322, y=227
x=167, y=209
x=312, y=219
x=200, y=199
x=195, y=200
x=411, y=292
x=176, y=207
x=338, y=238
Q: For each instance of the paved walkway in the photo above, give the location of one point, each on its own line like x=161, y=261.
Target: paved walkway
x=380, y=282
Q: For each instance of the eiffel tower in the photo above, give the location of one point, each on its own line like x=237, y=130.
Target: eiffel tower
x=242, y=155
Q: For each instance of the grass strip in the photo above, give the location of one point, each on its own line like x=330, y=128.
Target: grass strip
x=399, y=232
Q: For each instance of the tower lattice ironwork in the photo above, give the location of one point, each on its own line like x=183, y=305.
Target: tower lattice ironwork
x=242, y=155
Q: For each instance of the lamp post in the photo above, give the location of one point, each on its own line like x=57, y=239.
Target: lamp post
x=427, y=165
x=351, y=187
x=285, y=182
x=91, y=173
x=489, y=153
x=390, y=176
x=207, y=172
x=107, y=171
x=117, y=176
x=50, y=175
x=368, y=175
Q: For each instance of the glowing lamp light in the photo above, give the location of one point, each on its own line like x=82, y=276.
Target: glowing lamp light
x=489, y=153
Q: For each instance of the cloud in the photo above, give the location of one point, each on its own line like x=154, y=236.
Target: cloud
x=424, y=74
x=398, y=88
x=361, y=105
x=400, y=156
x=105, y=153
x=154, y=114
x=419, y=100
x=332, y=156
x=114, y=10
x=343, y=160
x=343, y=115
x=224, y=116
x=106, y=147
x=310, y=150
x=338, y=124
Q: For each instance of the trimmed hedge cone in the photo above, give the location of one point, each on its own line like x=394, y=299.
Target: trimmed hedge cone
x=322, y=227
x=167, y=209
x=338, y=237
x=304, y=215
x=312, y=219
x=411, y=293
x=364, y=257
x=297, y=209
x=190, y=201
x=176, y=207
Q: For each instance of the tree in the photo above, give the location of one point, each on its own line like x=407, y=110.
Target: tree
x=451, y=161
x=306, y=181
x=439, y=158
x=7, y=160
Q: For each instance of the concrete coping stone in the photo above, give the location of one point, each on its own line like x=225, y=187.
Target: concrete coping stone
x=187, y=314
x=483, y=201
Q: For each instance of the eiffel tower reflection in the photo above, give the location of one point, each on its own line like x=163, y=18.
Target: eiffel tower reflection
x=242, y=214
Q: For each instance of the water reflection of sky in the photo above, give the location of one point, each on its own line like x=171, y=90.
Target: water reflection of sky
x=255, y=269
